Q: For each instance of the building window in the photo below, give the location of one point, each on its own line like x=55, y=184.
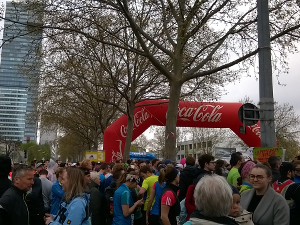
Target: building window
x=178, y=157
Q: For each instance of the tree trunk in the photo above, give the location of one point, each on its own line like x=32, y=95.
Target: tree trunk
x=95, y=140
x=170, y=146
x=130, y=116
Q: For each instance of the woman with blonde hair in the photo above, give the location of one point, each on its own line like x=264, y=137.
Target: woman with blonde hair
x=170, y=204
x=87, y=164
x=74, y=208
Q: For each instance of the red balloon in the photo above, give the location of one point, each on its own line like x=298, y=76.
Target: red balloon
x=190, y=114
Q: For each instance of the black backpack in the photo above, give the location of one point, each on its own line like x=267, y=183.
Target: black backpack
x=108, y=198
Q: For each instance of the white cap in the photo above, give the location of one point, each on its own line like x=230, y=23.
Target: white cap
x=179, y=166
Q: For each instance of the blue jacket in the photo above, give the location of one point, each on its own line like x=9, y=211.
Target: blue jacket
x=74, y=213
x=57, y=194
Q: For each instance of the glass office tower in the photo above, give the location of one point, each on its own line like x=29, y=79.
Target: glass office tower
x=16, y=95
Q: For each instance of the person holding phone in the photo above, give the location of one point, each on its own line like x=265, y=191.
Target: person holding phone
x=123, y=204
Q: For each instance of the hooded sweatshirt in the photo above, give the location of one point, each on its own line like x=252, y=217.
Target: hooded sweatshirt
x=186, y=179
x=199, y=219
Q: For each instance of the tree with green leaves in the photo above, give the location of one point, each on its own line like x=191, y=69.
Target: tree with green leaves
x=36, y=152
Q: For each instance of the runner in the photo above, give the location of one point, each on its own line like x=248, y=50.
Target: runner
x=149, y=181
x=235, y=161
x=170, y=204
x=289, y=190
x=123, y=202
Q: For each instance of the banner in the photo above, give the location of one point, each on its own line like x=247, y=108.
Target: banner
x=141, y=156
x=262, y=154
x=95, y=156
x=224, y=152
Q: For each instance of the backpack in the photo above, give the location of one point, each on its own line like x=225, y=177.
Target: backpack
x=291, y=202
x=183, y=212
x=280, y=187
x=109, y=197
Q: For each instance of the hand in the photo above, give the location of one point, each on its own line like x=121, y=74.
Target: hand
x=140, y=202
x=48, y=218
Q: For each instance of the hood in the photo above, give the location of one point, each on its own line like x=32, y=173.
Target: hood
x=189, y=170
x=201, y=173
x=199, y=218
x=5, y=166
x=52, y=165
x=197, y=221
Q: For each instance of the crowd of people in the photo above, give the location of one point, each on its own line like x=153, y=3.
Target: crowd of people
x=208, y=191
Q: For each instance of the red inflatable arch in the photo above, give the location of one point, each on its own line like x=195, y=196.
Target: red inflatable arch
x=190, y=114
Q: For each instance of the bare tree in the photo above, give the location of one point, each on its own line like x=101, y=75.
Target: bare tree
x=184, y=40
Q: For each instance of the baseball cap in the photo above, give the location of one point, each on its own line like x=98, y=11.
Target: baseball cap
x=168, y=161
x=38, y=165
x=179, y=166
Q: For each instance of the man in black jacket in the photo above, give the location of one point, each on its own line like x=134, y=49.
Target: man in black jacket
x=13, y=208
x=5, y=168
x=207, y=166
x=186, y=177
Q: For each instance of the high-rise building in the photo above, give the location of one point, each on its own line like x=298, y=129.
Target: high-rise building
x=16, y=95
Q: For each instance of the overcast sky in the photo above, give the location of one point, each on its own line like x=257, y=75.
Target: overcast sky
x=287, y=93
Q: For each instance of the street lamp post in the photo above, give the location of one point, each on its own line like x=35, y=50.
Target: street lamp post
x=267, y=126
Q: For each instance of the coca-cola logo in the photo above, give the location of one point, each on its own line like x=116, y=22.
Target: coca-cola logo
x=139, y=118
x=204, y=113
x=255, y=129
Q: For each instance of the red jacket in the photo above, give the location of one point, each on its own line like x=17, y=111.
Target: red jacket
x=190, y=201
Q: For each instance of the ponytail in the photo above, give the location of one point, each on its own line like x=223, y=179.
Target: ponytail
x=168, y=174
x=161, y=176
x=121, y=180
